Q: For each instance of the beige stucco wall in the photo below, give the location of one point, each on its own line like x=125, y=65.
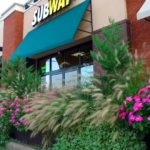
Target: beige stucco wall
x=103, y=9
x=1, y=33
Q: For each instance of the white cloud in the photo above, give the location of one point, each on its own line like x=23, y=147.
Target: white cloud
x=4, y=4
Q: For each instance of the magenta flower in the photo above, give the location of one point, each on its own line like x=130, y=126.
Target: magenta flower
x=138, y=118
x=146, y=100
x=123, y=115
x=132, y=118
x=137, y=98
x=137, y=106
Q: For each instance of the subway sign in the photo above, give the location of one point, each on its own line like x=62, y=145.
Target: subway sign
x=49, y=9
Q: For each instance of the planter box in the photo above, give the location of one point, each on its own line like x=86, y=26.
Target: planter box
x=25, y=137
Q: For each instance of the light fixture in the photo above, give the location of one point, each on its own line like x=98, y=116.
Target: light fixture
x=27, y=5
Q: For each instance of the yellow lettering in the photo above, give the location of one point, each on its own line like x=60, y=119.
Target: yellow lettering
x=61, y=4
x=67, y=2
x=53, y=6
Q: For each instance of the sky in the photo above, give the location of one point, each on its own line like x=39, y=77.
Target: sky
x=4, y=4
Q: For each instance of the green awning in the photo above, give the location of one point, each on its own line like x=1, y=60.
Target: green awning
x=57, y=32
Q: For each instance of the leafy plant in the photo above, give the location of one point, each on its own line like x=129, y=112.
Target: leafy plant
x=103, y=137
x=17, y=76
x=123, y=72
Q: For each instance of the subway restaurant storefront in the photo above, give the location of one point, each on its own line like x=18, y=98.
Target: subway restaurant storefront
x=53, y=46
x=55, y=37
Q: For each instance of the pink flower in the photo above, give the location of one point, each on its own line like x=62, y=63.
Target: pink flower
x=4, y=127
x=26, y=107
x=18, y=100
x=13, y=116
x=148, y=118
x=131, y=117
x=137, y=99
x=17, y=110
x=17, y=105
x=130, y=123
x=143, y=91
x=146, y=100
x=129, y=99
x=17, y=124
x=138, y=118
x=4, y=103
x=11, y=120
x=2, y=115
x=148, y=87
x=137, y=106
x=122, y=115
x=2, y=109
x=22, y=120
x=25, y=100
x=121, y=109
x=12, y=105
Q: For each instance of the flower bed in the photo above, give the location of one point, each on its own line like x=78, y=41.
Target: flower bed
x=136, y=110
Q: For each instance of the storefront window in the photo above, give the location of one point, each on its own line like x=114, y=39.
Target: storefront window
x=57, y=62
x=57, y=81
x=71, y=59
x=46, y=81
x=71, y=78
x=44, y=66
x=68, y=68
x=86, y=74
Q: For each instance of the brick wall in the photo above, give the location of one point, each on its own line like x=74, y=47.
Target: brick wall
x=140, y=30
x=13, y=33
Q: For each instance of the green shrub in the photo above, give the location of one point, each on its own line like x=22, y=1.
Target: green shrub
x=21, y=79
x=103, y=137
